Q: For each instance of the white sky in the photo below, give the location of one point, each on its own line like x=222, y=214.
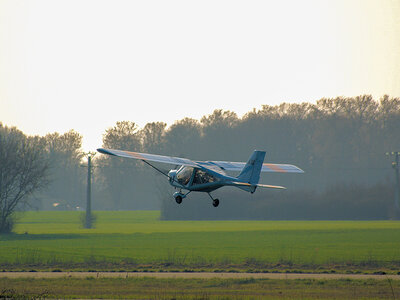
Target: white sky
x=85, y=64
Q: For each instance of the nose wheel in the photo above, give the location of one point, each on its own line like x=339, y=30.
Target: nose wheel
x=179, y=196
x=178, y=199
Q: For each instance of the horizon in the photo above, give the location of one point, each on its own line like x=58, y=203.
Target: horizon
x=95, y=146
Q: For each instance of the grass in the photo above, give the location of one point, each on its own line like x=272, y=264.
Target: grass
x=152, y=288
x=132, y=240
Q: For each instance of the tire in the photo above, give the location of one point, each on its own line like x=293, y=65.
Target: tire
x=215, y=202
x=178, y=199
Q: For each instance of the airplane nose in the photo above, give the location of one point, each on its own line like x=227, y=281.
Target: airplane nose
x=171, y=175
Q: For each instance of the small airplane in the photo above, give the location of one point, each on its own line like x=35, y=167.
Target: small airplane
x=207, y=176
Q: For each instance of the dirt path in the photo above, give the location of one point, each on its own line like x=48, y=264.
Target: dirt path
x=193, y=275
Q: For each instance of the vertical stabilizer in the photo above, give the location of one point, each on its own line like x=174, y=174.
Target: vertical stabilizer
x=252, y=169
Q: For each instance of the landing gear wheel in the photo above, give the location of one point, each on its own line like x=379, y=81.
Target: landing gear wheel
x=215, y=202
x=178, y=199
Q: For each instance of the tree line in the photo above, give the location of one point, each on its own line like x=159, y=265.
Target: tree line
x=339, y=142
x=37, y=170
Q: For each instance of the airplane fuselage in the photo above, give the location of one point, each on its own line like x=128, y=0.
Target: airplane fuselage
x=195, y=179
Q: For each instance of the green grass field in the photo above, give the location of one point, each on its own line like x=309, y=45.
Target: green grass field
x=152, y=288
x=139, y=240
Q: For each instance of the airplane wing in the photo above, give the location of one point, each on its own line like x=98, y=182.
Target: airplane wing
x=216, y=166
x=164, y=159
x=150, y=157
x=266, y=167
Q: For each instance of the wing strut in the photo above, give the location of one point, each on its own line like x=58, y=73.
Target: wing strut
x=165, y=174
x=155, y=168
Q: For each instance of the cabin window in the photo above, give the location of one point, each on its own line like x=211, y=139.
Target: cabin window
x=202, y=177
x=184, y=175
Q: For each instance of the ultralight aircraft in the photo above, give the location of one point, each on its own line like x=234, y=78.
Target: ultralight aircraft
x=207, y=176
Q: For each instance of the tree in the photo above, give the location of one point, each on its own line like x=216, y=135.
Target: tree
x=153, y=136
x=183, y=138
x=117, y=175
x=23, y=171
x=124, y=135
x=68, y=178
x=216, y=127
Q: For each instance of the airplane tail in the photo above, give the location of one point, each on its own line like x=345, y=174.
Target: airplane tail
x=251, y=171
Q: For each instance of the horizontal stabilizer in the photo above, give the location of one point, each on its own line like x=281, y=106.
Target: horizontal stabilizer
x=251, y=187
x=271, y=186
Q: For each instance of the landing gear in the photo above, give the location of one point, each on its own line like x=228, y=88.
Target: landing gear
x=215, y=202
x=179, y=196
x=178, y=199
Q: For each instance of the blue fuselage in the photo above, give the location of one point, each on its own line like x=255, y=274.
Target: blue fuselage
x=196, y=179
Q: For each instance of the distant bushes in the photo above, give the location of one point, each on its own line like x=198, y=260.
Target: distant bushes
x=339, y=202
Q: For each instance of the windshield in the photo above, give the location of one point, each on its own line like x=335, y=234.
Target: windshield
x=184, y=175
x=202, y=177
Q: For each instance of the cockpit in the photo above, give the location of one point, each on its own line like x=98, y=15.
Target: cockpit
x=202, y=177
x=185, y=174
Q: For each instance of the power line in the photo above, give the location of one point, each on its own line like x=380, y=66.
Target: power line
x=88, y=217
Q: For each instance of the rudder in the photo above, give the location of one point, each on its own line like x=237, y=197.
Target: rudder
x=252, y=169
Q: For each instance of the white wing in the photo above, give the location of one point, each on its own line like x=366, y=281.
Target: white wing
x=238, y=166
x=151, y=157
x=216, y=166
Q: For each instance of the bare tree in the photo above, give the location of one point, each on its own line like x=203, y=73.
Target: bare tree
x=23, y=170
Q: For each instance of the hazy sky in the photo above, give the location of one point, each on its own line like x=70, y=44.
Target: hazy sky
x=86, y=64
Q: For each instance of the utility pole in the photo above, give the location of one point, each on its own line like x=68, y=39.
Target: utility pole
x=88, y=219
x=396, y=168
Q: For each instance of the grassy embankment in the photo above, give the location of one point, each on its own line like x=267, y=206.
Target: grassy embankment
x=151, y=288
x=137, y=240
